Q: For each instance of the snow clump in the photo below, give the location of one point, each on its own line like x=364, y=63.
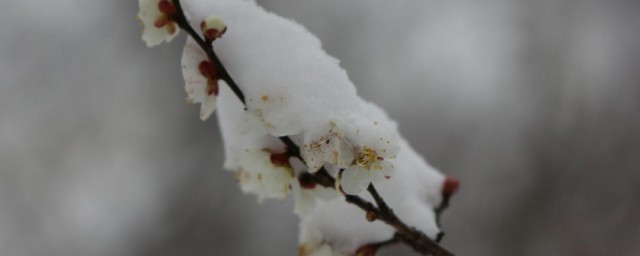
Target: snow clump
x=293, y=88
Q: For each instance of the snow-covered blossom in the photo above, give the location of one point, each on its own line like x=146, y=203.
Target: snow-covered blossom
x=413, y=192
x=289, y=81
x=213, y=27
x=156, y=17
x=293, y=88
x=331, y=148
x=200, y=77
x=270, y=175
x=370, y=167
x=265, y=174
x=307, y=194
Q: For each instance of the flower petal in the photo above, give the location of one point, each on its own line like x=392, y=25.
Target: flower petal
x=354, y=179
x=196, y=83
x=381, y=171
x=148, y=15
x=259, y=176
x=304, y=200
x=207, y=107
x=345, y=155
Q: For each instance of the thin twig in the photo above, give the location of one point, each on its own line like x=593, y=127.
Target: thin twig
x=449, y=187
x=438, y=211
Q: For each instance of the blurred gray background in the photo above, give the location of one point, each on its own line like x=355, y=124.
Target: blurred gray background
x=533, y=104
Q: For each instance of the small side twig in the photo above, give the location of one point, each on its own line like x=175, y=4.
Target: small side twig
x=449, y=188
x=438, y=211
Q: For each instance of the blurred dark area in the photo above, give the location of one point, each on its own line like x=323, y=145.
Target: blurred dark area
x=533, y=105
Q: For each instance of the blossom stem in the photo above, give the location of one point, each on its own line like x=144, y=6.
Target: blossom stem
x=438, y=211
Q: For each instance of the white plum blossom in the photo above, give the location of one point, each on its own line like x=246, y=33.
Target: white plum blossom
x=156, y=17
x=270, y=175
x=331, y=148
x=200, y=77
x=265, y=174
x=370, y=166
x=307, y=194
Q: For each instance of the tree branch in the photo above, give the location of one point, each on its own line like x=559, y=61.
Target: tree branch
x=416, y=239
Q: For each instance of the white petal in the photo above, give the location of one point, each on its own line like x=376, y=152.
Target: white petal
x=354, y=179
x=346, y=154
x=148, y=15
x=303, y=199
x=381, y=171
x=262, y=178
x=207, y=107
x=325, y=194
x=315, y=154
x=388, y=169
x=153, y=36
x=252, y=126
x=332, y=169
x=195, y=82
x=330, y=148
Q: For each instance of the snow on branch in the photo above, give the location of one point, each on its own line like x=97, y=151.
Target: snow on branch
x=293, y=124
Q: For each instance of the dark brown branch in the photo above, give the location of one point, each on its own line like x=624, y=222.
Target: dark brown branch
x=416, y=239
x=438, y=211
x=292, y=148
x=449, y=187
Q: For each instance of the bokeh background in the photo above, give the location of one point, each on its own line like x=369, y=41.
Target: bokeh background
x=534, y=105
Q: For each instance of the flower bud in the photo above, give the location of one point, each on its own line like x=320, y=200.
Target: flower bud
x=450, y=186
x=371, y=216
x=213, y=27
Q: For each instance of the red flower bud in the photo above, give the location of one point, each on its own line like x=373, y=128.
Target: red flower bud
x=450, y=186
